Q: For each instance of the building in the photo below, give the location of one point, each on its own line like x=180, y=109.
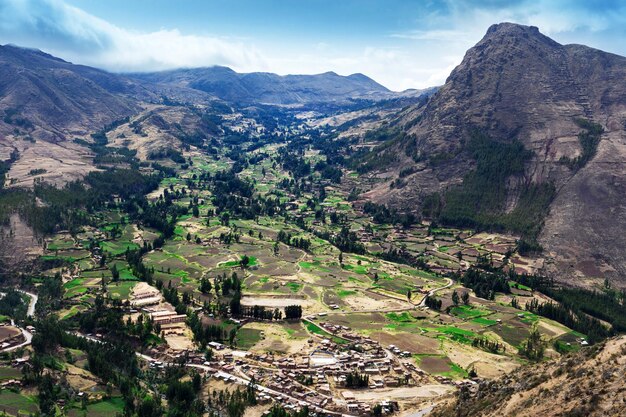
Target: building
x=167, y=317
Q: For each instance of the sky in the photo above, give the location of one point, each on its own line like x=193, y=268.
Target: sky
x=399, y=43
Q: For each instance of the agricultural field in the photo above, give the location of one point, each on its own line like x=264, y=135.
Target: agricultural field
x=398, y=288
x=277, y=274
x=15, y=404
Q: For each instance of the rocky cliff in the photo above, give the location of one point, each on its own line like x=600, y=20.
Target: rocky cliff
x=518, y=85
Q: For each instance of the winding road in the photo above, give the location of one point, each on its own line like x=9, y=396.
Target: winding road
x=433, y=291
x=28, y=336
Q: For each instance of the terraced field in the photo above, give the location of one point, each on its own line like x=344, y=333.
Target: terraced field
x=365, y=292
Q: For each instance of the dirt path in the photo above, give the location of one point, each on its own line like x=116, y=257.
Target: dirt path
x=433, y=291
x=28, y=336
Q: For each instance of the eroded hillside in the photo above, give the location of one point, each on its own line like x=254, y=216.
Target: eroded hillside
x=588, y=383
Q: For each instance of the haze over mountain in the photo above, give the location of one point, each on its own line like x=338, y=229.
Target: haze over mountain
x=58, y=97
x=45, y=102
x=267, y=88
x=519, y=85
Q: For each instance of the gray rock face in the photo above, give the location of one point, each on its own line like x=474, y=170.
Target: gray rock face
x=519, y=84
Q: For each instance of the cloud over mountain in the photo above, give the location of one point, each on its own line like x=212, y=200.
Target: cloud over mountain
x=70, y=32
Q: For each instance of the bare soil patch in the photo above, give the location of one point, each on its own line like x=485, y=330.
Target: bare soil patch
x=410, y=342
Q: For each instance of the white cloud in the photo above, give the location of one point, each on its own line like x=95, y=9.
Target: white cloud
x=73, y=34
x=421, y=57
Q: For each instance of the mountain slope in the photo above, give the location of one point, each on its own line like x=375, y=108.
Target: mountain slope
x=57, y=97
x=588, y=383
x=519, y=85
x=267, y=88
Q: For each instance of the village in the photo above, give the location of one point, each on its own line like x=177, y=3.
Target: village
x=321, y=376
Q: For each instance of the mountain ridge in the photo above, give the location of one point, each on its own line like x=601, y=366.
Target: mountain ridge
x=518, y=84
x=269, y=88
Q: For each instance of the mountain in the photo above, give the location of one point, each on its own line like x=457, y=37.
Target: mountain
x=526, y=135
x=267, y=88
x=46, y=103
x=587, y=383
x=47, y=97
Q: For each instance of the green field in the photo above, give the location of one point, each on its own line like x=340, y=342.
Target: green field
x=313, y=328
x=7, y=372
x=468, y=312
x=15, y=403
x=246, y=338
x=106, y=408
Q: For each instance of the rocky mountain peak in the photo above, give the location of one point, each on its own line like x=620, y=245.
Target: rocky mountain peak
x=517, y=84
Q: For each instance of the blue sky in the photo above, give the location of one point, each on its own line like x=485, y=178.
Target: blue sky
x=400, y=43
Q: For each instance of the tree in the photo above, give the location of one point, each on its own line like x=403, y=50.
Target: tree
x=408, y=295
x=340, y=258
x=235, y=305
x=115, y=274
x=465, y=298
x=188, y=236
x=205, y=286
x=534, y=347
x=455, y=298
x=356, y=380
x=293, y=312
x=432, y=302
x=48, y=392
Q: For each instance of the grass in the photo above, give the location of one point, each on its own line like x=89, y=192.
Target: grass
x=359, y=269
x=74, y=292
x=107, y=408
x=9, y=373
x=455, y=372
x=345, y=293
x=294, y=286
x=312, y=265
x=528, y=318
x=17, y=404
x=116, y=248
x=468, y=312
x=456, y=334
x=246, y=338
x=519, y=286
x=403, y=317
x=59, y=258
x=230, y=264
x=121, y=290
x=314, y=328
x=483, y=321
x=76, y=282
